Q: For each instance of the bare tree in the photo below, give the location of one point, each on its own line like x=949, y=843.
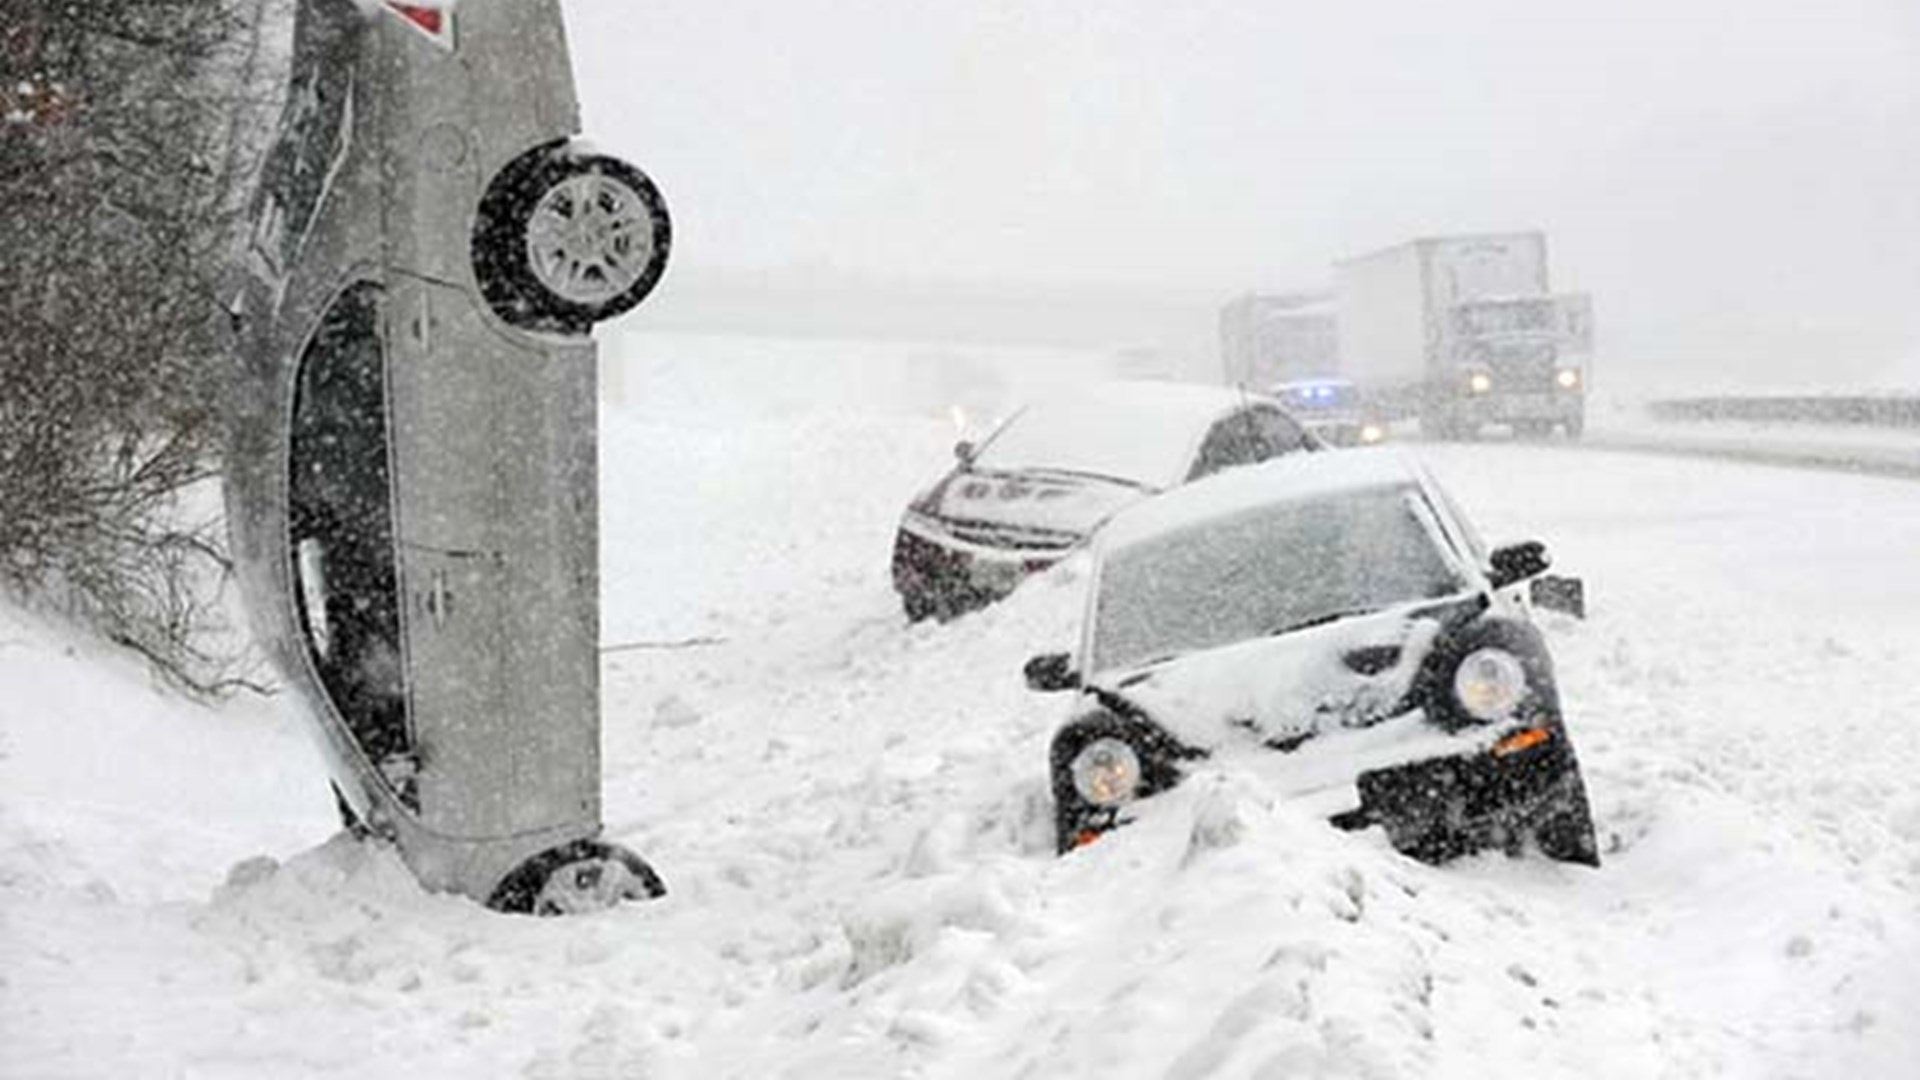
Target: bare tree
x=122, y=151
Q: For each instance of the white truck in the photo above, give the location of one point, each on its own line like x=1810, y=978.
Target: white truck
x=1271, y=338
x=1463, y=331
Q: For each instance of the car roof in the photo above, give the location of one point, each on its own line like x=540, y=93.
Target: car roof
x=1199, y=402
x=1139, y=429
x=1282, y=479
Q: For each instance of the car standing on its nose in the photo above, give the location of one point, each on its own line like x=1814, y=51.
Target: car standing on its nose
x=1057, y=469
x=411, y=473
x=1333, y=621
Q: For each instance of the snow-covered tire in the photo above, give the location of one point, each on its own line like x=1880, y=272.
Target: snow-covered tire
x=577, y=878
x=1564, y=829
x=564, y=240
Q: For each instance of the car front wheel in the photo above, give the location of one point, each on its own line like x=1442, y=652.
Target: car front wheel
x=581, y=877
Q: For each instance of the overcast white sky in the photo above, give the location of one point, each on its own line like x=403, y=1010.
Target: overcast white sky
x=1736, y=181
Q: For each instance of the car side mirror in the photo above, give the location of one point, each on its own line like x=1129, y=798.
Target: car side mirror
x=1518, y=562
x=1049, y=672
x=963, y=451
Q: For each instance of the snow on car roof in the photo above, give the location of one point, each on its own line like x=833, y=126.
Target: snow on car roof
x=1134, y=429
x=1291, y=476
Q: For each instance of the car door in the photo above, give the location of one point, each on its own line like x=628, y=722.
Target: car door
x=494, y=458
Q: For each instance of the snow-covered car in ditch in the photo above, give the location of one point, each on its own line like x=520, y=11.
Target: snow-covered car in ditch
x=1332, y=409
x=1332, y=623
x=411, y=475
x=1055, y=470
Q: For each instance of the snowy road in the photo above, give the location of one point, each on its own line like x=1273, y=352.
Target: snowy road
x=851, y=816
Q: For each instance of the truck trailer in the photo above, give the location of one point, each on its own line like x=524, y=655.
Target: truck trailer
x=1271, y=338
x=1464, y=331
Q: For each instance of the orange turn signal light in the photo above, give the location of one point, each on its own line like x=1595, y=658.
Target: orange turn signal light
x=1521, y=740
x=1085, y=837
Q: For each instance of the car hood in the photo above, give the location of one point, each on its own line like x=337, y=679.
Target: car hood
x=1282, y=691
x=1054, y=502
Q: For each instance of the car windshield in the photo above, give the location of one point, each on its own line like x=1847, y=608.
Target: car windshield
x=1264, y=571
x=1126, y=441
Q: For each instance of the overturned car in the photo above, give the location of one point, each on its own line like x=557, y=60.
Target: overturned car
x=1335, y=621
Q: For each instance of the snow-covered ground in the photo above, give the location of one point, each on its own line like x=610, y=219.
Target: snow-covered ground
x=851, y=816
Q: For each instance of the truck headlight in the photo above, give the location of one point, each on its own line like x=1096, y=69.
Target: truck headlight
x=1489, y=683
x=1106, y=772
x=1480, y=382
x=1568, y=378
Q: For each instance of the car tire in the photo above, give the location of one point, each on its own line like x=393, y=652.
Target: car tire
x=1575, y=425
x=1564, y=831
x=563, y=240
x=577, y=878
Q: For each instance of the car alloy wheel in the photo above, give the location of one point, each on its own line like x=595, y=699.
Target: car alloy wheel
x=563, y=240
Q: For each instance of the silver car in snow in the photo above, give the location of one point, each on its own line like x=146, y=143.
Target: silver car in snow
x=411, y=475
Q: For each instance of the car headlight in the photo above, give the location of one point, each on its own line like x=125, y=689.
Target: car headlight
x=1372, y=433
x=1106, y=772
x=1490, y=683
x=1568, y=378
x=1480, y=382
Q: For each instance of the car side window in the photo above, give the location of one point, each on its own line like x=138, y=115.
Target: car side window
x=1228, y=443
x=1245, y=437
x=1276, y=433
x=340, y=523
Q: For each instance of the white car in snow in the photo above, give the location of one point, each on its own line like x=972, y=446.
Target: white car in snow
x=1333, y=622
x=1054, y=471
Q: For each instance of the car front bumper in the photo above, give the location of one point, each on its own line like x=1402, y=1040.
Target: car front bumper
x=1523, y=789
x=944, y=576
x=1440, y=808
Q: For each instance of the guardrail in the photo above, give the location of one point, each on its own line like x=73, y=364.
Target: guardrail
x=1888, y=410
x=1882, y=436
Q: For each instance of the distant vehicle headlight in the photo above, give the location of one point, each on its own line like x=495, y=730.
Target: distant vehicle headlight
x=1568, y=378
x=1372, y=433
x=1480, y=382
x=1489, y=683
x=1106, y=772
